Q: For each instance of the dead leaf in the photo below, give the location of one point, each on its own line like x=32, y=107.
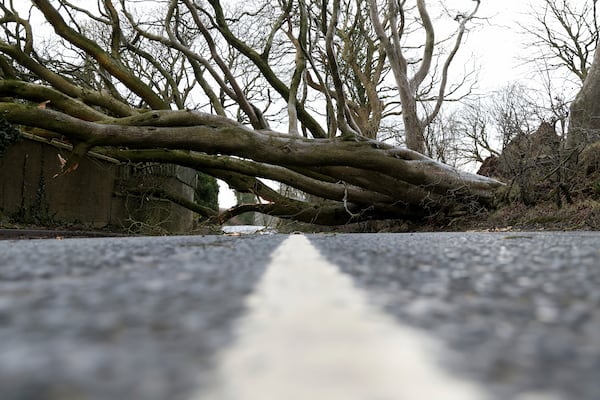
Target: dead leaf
x=72, y=168
x=43, y=104
x=62, y=161
x=63, y=164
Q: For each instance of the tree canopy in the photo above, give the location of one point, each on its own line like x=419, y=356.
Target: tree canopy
x=294, y=91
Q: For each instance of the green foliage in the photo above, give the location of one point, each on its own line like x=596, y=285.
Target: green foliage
x=8, y=135
x=207, y=191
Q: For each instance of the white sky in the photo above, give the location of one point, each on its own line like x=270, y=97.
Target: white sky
x=497, y=43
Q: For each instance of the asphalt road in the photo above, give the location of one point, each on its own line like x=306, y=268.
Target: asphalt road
x=515, y=314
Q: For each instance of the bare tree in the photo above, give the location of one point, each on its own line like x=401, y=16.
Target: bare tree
x=565, y=35
x=469, y=134
x=483, y=127
x=190, y=84
x=584, y=119
x=390, y=31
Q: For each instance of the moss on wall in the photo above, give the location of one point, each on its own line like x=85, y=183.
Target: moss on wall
x=207, y=191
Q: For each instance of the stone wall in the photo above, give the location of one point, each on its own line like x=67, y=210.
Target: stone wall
x=95, y=194
x=133, y=187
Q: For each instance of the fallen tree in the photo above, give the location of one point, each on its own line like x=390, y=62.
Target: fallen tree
x=358, y=180
x=124, y=111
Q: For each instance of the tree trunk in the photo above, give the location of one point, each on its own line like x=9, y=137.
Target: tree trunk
x=584, y=118
x=358, y=180
x=413, y=128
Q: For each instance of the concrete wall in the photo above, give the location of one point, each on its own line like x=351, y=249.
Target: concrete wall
x=147, y=210
x=94, y=194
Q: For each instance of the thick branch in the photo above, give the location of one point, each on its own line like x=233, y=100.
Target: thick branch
x=311, y=124
x=280, y=150
x=444, y=82
x=328, y=190
x=325, y=213
x=423, y=70
x=205, y=212
x=105, y=60
x=61, y=84
x=345, y=127
x=38, y=93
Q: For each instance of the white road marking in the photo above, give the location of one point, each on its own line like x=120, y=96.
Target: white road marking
x=309, y=334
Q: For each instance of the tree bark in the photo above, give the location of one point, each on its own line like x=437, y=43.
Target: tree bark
x=390, y=35
x=358, y=180
x=584, y=118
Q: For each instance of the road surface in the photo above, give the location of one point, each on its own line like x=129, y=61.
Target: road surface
x=329, y=316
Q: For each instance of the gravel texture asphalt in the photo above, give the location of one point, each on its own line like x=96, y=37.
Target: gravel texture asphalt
x=521, y=311
x=127, y=318
x=141, y=318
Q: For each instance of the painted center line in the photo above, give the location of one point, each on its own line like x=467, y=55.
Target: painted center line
x=309, y=334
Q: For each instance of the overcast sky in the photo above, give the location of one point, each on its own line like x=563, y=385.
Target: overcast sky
x=498, y=42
